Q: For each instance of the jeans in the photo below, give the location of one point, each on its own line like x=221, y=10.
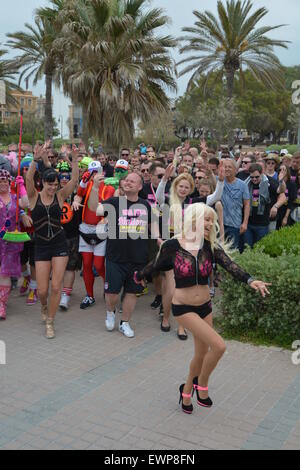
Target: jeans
x=255, y=233
x=233, y=235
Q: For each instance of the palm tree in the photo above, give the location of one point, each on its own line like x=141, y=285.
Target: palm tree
x=115, y=65
x=230, y=43
x=7, y=75
x=38, y=59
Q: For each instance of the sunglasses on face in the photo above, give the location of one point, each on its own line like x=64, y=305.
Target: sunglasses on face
x=245, y=163
x=271, y=162
x=145, y=171
x=254, y=177
x=64, y=177
x=160, y=176
x=125, y=154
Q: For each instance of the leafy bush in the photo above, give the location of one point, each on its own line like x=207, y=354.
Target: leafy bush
x=277, y=315
x=286, y=240
x=291, y=148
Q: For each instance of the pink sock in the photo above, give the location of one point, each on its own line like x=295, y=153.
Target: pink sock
x=67, y=291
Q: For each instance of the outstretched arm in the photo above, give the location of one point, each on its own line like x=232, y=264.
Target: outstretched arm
x=238, y=273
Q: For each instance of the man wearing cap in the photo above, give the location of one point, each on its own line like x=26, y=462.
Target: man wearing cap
x=272, y=161
x=91, y=247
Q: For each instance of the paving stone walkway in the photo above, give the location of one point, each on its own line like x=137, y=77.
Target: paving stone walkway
x=90, y=389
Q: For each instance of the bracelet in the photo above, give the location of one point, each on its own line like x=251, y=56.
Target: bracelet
x=250, y=280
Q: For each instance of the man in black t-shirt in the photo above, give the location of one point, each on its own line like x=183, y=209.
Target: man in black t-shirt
x=266, y=197
x=129, y=219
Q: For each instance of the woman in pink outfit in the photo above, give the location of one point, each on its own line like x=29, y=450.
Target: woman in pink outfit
x=10, y=265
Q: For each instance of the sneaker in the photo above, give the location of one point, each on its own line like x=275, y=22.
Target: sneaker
x=145, y=292
x=126, y=330
x=110, y=321
x=25, y=286
x=32, y=297
x=157, y=302
x=64, y=302
x=87, y=302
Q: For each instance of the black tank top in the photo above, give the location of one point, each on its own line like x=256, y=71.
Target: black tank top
x=46, y=221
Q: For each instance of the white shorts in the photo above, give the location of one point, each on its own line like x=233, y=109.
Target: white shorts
x=84, y=247
x=98, y=250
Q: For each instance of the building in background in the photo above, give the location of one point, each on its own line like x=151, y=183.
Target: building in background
x=75, y=122
x=31, y=105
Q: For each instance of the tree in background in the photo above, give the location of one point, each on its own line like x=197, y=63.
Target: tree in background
x=38, y=60
x=116, y=65
x=231, y=43
x=8, y=74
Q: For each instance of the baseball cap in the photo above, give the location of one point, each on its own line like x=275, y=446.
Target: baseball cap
x=122, y=164
x=95, y=166
x=284, y=152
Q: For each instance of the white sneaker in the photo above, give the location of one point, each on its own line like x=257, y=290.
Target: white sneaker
x=110, y=321
x=126, y=330
x=64, y=302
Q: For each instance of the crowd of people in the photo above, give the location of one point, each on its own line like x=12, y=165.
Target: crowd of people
x=134, y=218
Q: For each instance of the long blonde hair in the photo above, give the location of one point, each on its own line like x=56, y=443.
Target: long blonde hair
x=175, y=202
x=196, y=213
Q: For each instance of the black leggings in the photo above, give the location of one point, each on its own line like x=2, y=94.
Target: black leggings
x=202, y=310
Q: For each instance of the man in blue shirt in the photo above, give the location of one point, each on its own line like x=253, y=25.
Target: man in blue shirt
x=236, y=204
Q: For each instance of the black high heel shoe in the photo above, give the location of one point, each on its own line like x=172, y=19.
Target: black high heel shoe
x=206, y=402
x=185, y=408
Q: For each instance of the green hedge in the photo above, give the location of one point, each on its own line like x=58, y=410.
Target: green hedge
x=286, y=240
x=291, y=148
x=277, y=316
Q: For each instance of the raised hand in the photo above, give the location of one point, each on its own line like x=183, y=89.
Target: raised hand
x=169, y=172
x=203, y=145
x=98, y=178
x=221, y=171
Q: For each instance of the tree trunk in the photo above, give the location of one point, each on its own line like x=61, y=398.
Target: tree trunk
x=85, y=127
x=230, y=87
x=48, y=108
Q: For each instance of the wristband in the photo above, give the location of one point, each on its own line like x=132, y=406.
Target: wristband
x=250, y=280
x=22, y=212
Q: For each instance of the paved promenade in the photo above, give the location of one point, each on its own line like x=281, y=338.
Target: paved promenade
x=90, y=389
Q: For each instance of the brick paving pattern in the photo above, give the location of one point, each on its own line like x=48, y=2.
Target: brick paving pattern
x=90, y=389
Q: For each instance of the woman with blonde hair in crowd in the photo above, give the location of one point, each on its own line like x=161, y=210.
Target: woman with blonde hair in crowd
x=180, y=197
x=191, y=254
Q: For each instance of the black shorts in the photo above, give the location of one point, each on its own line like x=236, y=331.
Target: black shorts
x=202, y=310
x=75, y=260
x=120, y=275
x=52, y=250
x=28, y=253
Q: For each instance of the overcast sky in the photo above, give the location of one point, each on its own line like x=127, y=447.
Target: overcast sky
x=18, y=12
